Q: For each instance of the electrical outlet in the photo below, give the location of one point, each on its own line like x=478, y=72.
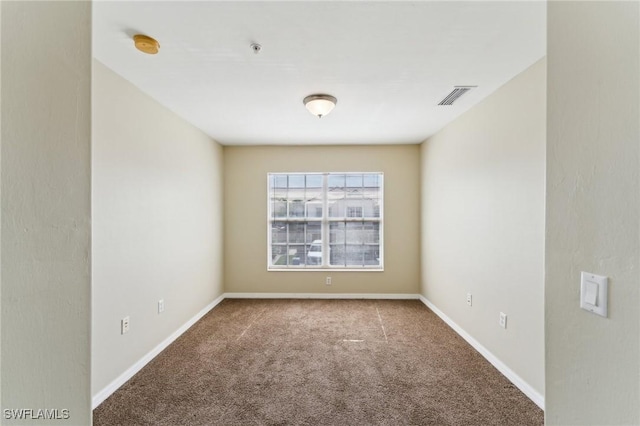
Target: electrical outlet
x=503, y=320
x=328, y=281
x=469, y=299
x=124, y=325
x=160, y=306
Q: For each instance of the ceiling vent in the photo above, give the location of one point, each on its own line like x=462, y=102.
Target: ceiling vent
x=455, y=94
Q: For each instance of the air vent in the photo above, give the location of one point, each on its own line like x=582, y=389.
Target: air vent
x=455, y=94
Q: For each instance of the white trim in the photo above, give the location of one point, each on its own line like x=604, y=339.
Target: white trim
x=324, y=226
x=327, y=269
x=131, y=371
x=321, y=296
x=533, y=395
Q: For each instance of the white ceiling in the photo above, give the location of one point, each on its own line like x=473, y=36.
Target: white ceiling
x=388, y=63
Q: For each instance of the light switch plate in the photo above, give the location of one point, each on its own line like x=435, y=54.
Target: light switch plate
x=593, y=293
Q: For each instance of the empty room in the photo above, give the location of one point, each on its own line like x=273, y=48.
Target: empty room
x=322, y=213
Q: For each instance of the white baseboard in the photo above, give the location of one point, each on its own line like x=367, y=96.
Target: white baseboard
x=131, y=371
x=533, y=395
x=321, y=296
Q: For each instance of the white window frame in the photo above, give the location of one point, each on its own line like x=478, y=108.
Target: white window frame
x=325, y=221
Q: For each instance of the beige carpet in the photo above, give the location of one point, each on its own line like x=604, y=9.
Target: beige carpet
x=319, y=362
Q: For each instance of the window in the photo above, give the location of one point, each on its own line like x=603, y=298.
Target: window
x=325, y=221
x=354, y=211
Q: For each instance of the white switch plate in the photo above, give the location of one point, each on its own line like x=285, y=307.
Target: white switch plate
x=124, y=325
x=593, y=293
x=469, y=299
x=503, y=320
x=160, y=306
x=327, y=281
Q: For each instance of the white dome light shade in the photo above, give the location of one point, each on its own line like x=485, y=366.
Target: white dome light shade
x=320, y=105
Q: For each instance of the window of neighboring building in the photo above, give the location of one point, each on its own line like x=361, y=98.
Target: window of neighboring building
x=325, y=220
x=354, y=211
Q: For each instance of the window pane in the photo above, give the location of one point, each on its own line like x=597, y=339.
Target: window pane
x=372, y=256
x=314, y=253
x=356, y=191
x=374, y=211
x=279, y=208
x=361, y=255
x=296, y=208
x=337, y=208
x=314, y=181
x=371, y=181
x=336, y=195
x=314, y=232
x=280, y=181
x=354, y=233
x=296, y=181
x=336, y=232
x=313, y=202
x=337, y=255
x=354, y=188
x=354, y=181
x=355, y=255
x=296, y=233
x=336, y=181
x=314, y=209
x=279, y=255
x=278, y=232
x=371, y=232
x=297, y=254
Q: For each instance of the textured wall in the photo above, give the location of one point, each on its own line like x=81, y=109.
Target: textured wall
x=157, y=223
x=483, y=222
x=245, y=204
x=593, y=200
x=0, y=210
x=46, y=178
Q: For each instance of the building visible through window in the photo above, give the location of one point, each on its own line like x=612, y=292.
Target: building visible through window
x=325, y=220
x=354, y=211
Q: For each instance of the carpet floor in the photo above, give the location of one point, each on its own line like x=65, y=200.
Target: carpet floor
x=319, y=362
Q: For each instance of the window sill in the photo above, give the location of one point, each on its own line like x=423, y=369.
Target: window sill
x=325, y=269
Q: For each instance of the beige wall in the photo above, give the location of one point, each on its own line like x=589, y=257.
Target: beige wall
x=483, y=223
x=157, y=223
x=593, y=206
x=46, y=208
x=245, y=204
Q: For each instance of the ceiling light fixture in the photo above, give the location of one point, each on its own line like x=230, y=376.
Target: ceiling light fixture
x=146, y=44
x=320, y=105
